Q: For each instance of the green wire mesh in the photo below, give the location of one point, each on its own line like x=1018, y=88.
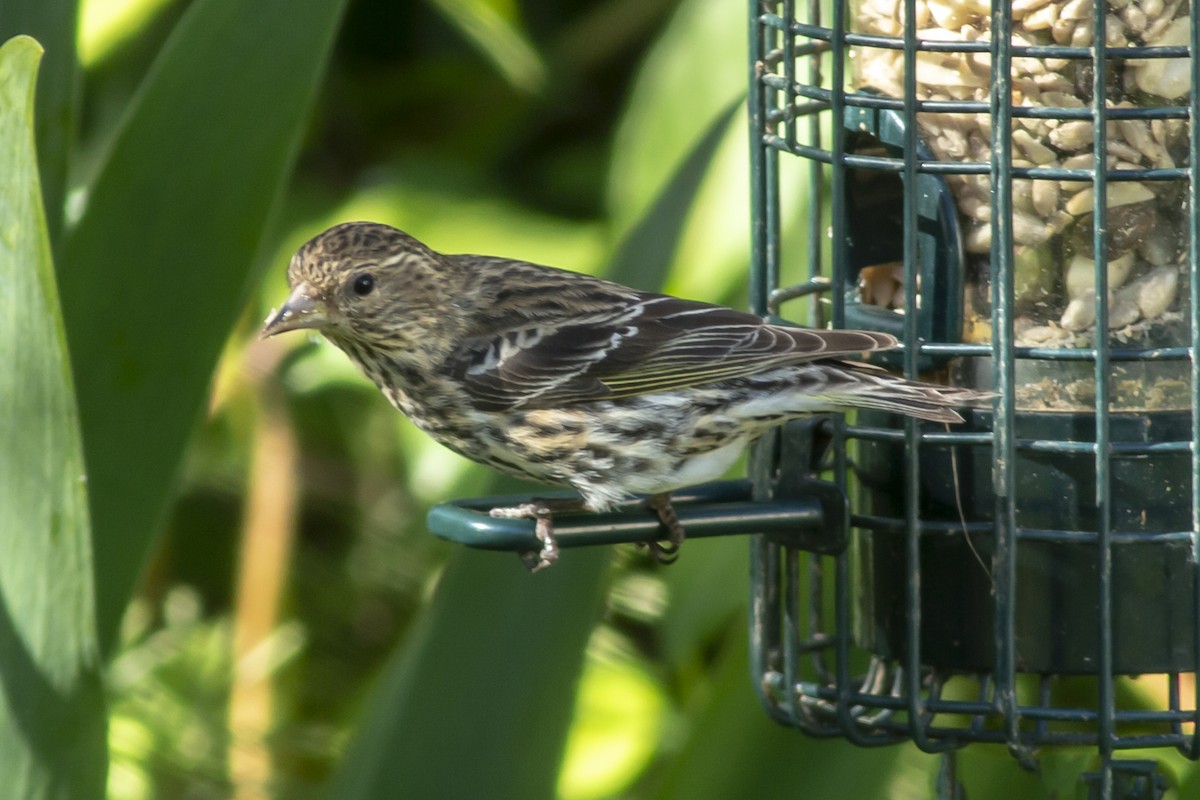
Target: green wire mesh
x=1019, y=207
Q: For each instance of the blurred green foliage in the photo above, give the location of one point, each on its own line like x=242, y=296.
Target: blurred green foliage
x=277, y=622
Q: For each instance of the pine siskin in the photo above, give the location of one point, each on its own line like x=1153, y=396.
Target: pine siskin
x=572, y=380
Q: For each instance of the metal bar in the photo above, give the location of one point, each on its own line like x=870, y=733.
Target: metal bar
x=1114, y=448
x=716, y=509
x=948, y=786
x=917, y=720
x=818, y=280
x=791, y=629
x=896, y=525
x=817, y=284
x=768, y=280
x=820, y=97
x=843, y=584
x=933, y=437
x=838, y=158
x=764, y=626
x=789, y=69
x=1192, y=750
x=764, y=573
x=866, y=99
x=764, y=245
x=1021, y=445
x=1104, y=558
x=984, y=45
x=1004, y=555
x=819, y=641
x=1083, y=716
x=1173, y=702
x=892, y=164
x=816, y=185
x=1065, y=353
x=886, y=732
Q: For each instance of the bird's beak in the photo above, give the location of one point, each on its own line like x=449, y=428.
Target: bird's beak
x=302, y=310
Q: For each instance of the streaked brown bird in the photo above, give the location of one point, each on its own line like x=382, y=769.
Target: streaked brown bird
x=573, y=380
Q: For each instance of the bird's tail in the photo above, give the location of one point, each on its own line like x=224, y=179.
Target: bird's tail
x=886, y=392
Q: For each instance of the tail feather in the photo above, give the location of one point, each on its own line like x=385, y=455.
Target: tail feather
x=859, y=387
x=910, y=407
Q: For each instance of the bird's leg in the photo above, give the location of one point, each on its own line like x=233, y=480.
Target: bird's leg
x=542, y=511
x=660, y=504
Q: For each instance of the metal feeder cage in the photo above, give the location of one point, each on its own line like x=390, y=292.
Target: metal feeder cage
x=1019, y=207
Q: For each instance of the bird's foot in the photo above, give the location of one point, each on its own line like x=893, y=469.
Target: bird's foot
x=668, y=552
x=542, y=512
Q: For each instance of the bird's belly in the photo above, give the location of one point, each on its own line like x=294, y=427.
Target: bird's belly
x=689, y=470
x=607, y=451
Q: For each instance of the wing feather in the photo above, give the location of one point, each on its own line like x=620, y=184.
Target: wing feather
x=589, y=339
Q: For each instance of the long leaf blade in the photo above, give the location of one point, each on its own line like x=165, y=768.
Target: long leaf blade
x=159, y=265
x=52, y=728
x=477, y=701
x=52, y=23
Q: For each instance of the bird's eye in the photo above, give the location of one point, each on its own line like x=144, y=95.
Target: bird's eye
x=363, y=284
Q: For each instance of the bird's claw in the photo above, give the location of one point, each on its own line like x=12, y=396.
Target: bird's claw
x=663, y=553
x=668, y=552
x=541, y=513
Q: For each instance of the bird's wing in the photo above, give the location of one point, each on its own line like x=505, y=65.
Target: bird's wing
x=571, y=347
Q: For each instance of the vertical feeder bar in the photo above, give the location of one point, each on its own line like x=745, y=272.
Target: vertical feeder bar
x=790, y=562
x=1004, y=557
x=912, y=478
x=816, y=183
x=1103, y=453
x=1193, y=193
x=839, y=255
x=816, y=316
x=764, y=607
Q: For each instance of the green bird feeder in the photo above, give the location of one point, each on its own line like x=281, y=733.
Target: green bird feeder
x=1019, y=207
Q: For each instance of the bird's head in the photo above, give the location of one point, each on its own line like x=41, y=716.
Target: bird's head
x=363, y=284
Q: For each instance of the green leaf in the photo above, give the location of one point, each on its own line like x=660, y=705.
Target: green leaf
x=477, y=700
x=665, y=115
x=52, y=730
x=695, y=70
x=733, y=749
x=496, y=30
x=644, y=257
x=104, y=26
x=708, y=591
x=157, y=270
x=52, y=23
